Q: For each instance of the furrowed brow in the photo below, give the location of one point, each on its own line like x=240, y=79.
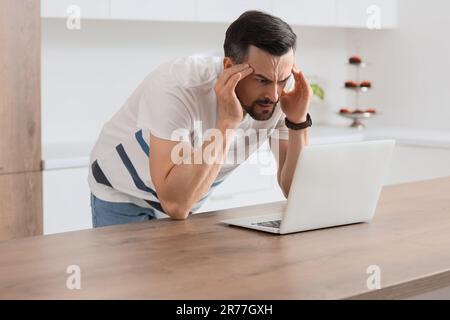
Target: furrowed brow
x=261, y=76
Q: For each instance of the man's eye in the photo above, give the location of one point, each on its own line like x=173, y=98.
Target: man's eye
x=262, y=81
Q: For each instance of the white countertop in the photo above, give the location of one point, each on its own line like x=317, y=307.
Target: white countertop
x=75, y=154
x=414, y=137
x=67, y=154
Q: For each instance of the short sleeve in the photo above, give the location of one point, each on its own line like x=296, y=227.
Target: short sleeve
x=163, y=112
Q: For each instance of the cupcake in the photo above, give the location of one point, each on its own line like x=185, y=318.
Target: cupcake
x=351, y=84
x=354, y=60
x=365, y=84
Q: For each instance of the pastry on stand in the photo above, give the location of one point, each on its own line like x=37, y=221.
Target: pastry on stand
x=357, y=113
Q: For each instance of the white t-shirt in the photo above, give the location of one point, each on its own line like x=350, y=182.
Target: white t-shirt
x=178, y=95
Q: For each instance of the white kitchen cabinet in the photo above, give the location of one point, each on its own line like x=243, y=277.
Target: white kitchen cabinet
x=253, y=182
x=67, y=194
x=167, y=10
x=67, y=204
x=228, y=11
x=357, y=13
x=306, y=12
x=248, y=185
x=89, y=9
x=330, y=13
x=414, y=163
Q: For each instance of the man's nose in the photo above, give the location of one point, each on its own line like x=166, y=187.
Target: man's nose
x=272, y=93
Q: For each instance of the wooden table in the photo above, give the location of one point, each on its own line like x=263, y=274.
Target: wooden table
x=200, y=258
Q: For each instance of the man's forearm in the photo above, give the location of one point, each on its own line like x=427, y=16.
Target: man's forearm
x=297, y=140
x=188, y=181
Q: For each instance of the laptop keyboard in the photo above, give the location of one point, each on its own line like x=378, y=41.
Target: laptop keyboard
x=271, y=224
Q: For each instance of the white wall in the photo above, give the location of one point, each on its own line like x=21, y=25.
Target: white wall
x=87, y=74
x=410, y=66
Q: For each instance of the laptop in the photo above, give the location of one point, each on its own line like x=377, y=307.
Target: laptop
x=333, y=185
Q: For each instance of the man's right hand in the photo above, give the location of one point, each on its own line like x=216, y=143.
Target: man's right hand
x=180, y=186
x=230, y=109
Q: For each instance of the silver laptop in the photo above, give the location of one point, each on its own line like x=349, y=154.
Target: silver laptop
x=333, y=185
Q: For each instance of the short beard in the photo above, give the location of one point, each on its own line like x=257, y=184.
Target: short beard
x=260, y=116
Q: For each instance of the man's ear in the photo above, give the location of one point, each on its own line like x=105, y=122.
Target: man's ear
x=227, y=63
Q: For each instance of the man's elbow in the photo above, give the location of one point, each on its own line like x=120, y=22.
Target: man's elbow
x=175, y=210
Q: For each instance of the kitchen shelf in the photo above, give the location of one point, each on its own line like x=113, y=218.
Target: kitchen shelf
x=359, y=89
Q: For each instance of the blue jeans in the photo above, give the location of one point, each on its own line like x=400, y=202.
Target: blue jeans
x=105, y=213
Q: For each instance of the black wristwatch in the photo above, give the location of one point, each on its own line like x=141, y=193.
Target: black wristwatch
x=298, y=126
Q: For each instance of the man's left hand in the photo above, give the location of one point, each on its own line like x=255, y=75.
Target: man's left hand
x=295, y=104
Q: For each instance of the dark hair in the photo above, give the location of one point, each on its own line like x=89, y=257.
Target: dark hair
x=260, y=29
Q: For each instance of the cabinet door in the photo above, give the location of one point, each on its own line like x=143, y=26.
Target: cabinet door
x=413, y=163
x=89, y=9
x=168, y=10
x=20, y=38
x=67, y=204
x=357, y=13
x=305, y=12
x=228, y=11
x=20, y=205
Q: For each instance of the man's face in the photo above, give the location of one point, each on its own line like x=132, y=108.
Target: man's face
x=259, y=93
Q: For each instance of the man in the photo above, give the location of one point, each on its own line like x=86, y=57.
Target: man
x=137, y=166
